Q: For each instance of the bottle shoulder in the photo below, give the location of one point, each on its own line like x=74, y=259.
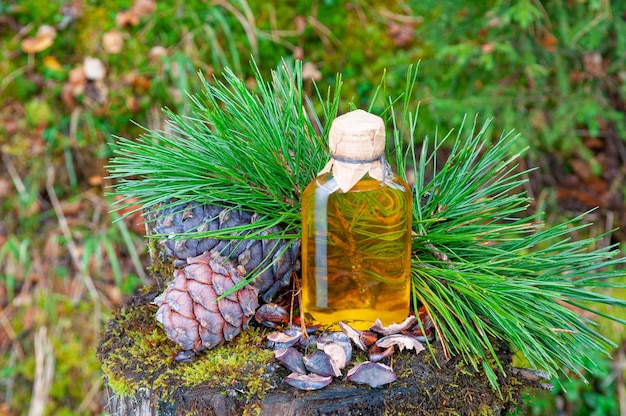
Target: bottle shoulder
x=367, y=183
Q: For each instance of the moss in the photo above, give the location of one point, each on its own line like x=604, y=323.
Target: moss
x=137, y=356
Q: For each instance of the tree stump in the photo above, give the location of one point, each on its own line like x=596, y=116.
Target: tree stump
x=242, y=377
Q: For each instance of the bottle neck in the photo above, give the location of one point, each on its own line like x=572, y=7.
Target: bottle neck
x=354, y=161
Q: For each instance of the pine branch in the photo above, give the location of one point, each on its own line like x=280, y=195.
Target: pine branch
x=483, y=268
x=256, y=151
x=485, y=271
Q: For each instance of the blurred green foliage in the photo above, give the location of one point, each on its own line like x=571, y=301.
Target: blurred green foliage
x=553, y=70
x=576, y=397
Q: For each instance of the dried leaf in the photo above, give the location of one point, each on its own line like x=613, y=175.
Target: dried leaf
x=310, y=71
x=156, y=53
x=70, y=208
x=402, y=341
x=77, y=76
x=132, y=17
x=94, y=69
x=52, y=63
x=5, y=188
x=394, y=328
x=487, y=48
x=112, y=41
x=47, y=30
x=308, y=382
x=143, y=7
x=37, y=43
x=141, y=84
x=582, y=169
x=95, y=180
x=401, y=34
x=549, y=42
x=594, y=65
x=127, y=18
x=372, y=374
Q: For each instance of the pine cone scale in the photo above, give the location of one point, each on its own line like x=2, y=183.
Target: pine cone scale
x=180, y=328
x=209, y=339
x=231, y=311
x=179, y=302
x=203, y=295
x=208, y=319
x=231, y=331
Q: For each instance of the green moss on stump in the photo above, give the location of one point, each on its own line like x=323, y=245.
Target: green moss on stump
x=137, y=358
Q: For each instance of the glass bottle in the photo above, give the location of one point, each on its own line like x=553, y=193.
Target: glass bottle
x=356, y=235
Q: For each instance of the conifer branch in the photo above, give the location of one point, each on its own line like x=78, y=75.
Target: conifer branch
x=484, y=269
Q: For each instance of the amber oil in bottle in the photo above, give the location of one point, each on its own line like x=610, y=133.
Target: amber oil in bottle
x=356, y=236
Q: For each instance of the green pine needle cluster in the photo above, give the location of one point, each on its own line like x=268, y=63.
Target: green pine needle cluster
x=487, y=271
x=255, y=150
x=484, y=269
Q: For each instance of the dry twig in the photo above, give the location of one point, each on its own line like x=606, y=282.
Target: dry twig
x=44, y=372
x=72, y=248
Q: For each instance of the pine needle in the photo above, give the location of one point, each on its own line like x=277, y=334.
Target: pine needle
x=485, y=270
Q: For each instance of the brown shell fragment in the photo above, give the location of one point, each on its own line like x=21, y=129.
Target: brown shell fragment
x=377, y=353
x=425, y=330
x=293, y=331
x=394, y=328
x=320, y=363
x=339, y=352
x=280, y=340
x=308, y=381
x=306, y=341
x=184, y=356
x=368, y=338
x=292, y=359
x=372, y=374
x=331, y=337
x=402, y=341
x=353, y=334
x=271, y=315
x=422, y=336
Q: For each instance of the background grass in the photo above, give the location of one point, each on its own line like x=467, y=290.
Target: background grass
x=553, y=70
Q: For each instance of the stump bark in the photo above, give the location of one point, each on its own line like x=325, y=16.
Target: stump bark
x=242, y=377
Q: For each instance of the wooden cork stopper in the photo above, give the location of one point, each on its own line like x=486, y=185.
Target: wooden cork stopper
x=357, y=146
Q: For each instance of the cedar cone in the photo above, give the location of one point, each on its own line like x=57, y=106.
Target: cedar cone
x=191, y=310
x=193, y=217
